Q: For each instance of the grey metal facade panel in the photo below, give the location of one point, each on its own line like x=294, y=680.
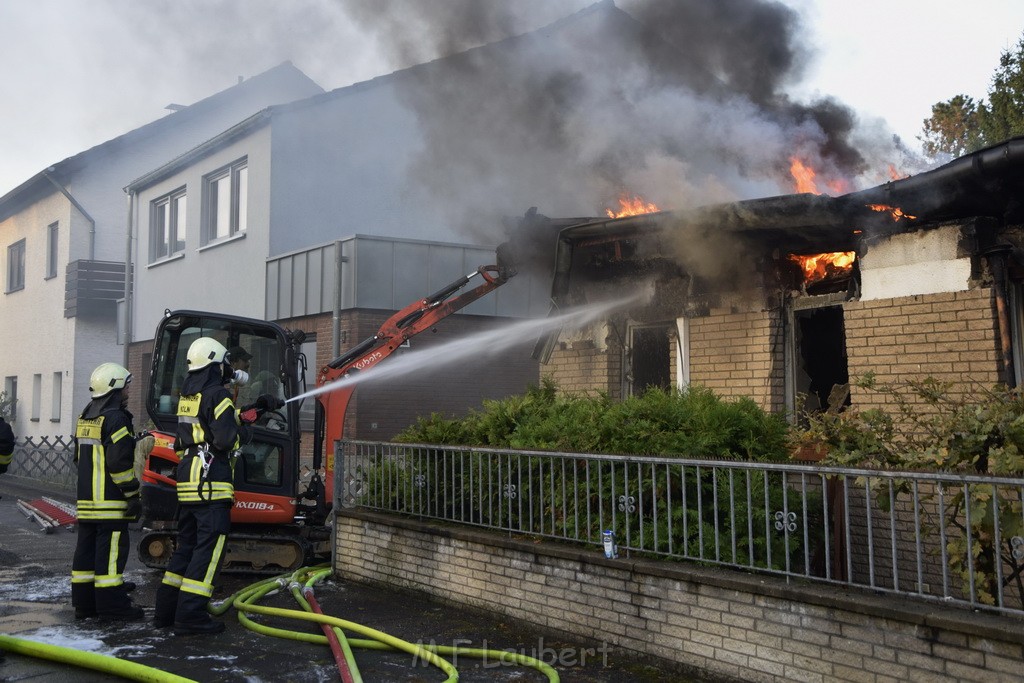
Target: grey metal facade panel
x=375, y=264
x=314, y=281
x=388, y=274
x=273, y=284
x=411, y=273
x=299, y=283
x=284, y=289
x=348, y=274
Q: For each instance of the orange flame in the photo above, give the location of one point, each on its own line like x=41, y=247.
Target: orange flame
x=631, y=205
x=819, y=266
x=895, y=211
x=896, y=174
x=803, y=175
x=805, y=179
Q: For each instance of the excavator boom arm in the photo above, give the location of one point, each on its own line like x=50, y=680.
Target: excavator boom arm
x=407, y=323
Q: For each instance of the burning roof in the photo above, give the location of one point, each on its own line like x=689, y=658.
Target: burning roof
x=988, y=183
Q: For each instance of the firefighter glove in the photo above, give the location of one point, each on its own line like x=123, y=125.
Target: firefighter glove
x=249, y=415
x=266, y=402
x=134, y=508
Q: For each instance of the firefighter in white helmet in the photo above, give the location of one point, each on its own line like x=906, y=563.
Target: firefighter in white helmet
x=210, y=430
x=108, y=498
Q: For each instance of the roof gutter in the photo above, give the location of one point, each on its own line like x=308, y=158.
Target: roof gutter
x=81, y=209
x=953, y=186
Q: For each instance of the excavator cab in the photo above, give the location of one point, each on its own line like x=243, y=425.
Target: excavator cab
x=268, y=482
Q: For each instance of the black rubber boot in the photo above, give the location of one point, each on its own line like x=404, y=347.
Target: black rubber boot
x=209, y=627
x=129, y=613
x=166, y=606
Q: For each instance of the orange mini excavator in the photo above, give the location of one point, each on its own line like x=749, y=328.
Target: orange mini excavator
x=280, y=520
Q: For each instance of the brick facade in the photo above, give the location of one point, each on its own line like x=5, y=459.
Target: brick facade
x=739, y=355
x=950, y=336
x=581, y=367
x=724, y=622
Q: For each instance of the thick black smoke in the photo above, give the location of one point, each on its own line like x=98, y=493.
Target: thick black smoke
x=681, y=101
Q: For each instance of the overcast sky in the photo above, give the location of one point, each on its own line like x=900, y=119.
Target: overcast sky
x=76, y=74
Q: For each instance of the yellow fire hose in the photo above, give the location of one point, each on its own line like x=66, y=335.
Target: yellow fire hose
x=300, y=583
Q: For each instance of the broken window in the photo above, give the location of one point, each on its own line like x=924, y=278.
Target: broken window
x=816, y=356
x=648, y=358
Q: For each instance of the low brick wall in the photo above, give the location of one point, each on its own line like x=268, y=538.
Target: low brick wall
x=728, y=623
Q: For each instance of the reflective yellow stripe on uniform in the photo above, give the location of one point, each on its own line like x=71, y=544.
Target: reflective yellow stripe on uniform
x=197, y=490
x=6, y=459
x=222, y=406
x=205, y=492
x=122, y=477
x=172, y=579
x=81, y=576
x=205, y=587
x=90, y=510
x=112, y=577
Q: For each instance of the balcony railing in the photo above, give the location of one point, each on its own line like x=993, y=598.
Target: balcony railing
x=93, y=288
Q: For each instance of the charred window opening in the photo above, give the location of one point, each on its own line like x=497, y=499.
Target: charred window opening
x=819, y=355
x=826, y=272
x=648, y=359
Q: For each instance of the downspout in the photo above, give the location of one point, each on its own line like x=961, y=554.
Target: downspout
x=81, y=209
x=128, y=277
x=996, y=257
x=336, y=313
x=996, y=253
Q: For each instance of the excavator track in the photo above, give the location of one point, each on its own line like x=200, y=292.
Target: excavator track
x=268, y=554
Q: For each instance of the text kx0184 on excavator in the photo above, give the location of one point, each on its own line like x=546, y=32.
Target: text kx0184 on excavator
x=279, y=521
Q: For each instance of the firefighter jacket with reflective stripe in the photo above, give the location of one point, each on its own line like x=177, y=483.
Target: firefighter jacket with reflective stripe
x=6, y=445
x=209, y=430
x=106, y=464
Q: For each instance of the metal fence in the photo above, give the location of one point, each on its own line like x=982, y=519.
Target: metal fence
x=937, y=536
x=47, y=459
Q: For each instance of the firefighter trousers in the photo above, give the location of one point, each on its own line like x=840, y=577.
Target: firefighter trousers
x=97, y=568
x=187, y=585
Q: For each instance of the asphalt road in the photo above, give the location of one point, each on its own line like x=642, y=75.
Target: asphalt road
x=35, y=605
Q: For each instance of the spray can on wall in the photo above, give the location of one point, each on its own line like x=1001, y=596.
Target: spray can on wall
x=610, y=551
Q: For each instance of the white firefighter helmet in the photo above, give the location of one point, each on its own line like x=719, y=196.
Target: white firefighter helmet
x=204, y=351
x=108, y=377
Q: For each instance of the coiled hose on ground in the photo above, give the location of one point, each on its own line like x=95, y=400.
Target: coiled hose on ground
x=245, y=601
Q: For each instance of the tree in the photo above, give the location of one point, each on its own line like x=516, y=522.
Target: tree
x=1003, y=116
x=959, y=126
x=953, y=128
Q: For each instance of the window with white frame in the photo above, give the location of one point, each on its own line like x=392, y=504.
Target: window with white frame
x=37, y=396
x=52, y=234
x=225, y=202
x=16, y=266
x=11, y=392
x=167, y=225
x=58, y=387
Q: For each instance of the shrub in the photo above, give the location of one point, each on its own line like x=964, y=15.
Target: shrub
x=554, y=493
x=930, y=428
x=693, y=423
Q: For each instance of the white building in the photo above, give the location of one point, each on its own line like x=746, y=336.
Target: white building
x=63, y=246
